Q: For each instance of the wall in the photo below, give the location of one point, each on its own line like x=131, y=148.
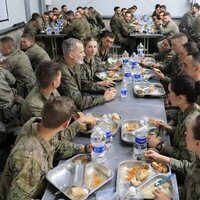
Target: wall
x=16, y=13
x=176, y=7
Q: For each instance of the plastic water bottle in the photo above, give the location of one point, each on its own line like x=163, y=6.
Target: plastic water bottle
x=140, y=50
x=49, y=30
x=98, y=141
x=106, y=126
x=133, y=60
x=137, y=73
x=127, y=73
x=140, y=143
x=56, y=29
x=124, y=90
x=125, y=57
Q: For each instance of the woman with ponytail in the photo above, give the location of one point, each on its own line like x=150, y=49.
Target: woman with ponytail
x=183, y=92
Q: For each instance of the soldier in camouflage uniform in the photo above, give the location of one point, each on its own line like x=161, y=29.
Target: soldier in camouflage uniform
x=33, y=25
x=122, y=29
x=48, y=77
x=91, y=64
x=167, y=27
x=191, y=171
x=19, y=65
x=33, y=155
x=35, y=53
x=182, y=93
x=115, y=19
x=73, y=85
x=190, y=23
x=105, y=43
x=44, y=21
x=77, y=28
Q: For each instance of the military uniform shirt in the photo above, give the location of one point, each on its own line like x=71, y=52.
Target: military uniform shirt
x=178, y=149
x=32, y=107
x=74, y=86
x=36, y=54
x=29, y=162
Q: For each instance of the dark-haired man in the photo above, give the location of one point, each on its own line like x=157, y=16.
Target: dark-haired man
x=19, y=65
x=48, y=76
x=33, y=25
x=33, y=155
x=35, y=53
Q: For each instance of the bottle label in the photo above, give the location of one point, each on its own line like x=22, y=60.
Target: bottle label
x=108, y=134
x=140, y=143
x=99, y=149
x=134, y=64
x=140, y=51
x=137, y=76
x=124, y=92
x=127, y=74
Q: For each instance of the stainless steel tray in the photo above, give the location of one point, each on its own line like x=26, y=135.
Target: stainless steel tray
x=150, y=186
x=127, y=134
x=98, y=116
x=144, y=89
x=117, y=76
x=122, y=184
x=71, y=173
x=147, y=73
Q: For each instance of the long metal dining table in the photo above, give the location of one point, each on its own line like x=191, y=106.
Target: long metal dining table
x=129, y=108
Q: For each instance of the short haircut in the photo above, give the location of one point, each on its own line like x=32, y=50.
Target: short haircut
x=116, y=8
x=107, y=34
x=157, y=6
x=69, y=13
x=196, y=128
x=191, y=47
x=55, y=9
x=63, y=6
x=56, y=111
x=195, y=58
x=180, y=36
x=134, y=7
x=46, y=13
x=196, y=5
x=124, y=9
x=69, y=45
x=46, y=72
x=29, y=36
x=163, y=7
x=35, y=16
x=185, y=85
x=167, y=14
x=8, y=41
x=79, y=7
x=128, y=12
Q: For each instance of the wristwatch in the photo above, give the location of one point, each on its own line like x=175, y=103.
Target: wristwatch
x=159, y=146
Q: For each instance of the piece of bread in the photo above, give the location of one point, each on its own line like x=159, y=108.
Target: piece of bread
x=78, y=192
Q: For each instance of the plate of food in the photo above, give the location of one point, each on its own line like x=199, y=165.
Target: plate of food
x=160, y=167
x=144, y=89
x=110, y=75
x=128, y=129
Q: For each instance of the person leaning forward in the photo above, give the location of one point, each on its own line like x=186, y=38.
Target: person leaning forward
x=71, y=83
x=32, y=157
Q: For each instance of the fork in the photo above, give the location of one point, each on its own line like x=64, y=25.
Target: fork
x=160, y=182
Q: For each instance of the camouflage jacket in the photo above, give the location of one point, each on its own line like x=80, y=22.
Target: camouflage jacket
x=79, y=28
x=168, y=29
x=29, y=162
x=36, y=54
x=32, y=107
x=192, y=179
x=32, y=28
x=90, y=68
x=178, y=149
x=20, y=67
x=74, y=86
x=6, y=81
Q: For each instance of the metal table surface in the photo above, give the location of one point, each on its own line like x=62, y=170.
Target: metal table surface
x=130, y=108
x=146, y=37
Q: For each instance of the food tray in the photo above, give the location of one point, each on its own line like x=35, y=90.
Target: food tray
x=147, y=73
x=116, y=76
x=98, y=117
x=123, y=185
x=151, y=184
x=89, y=176
x=127, y=135
x=144, y=89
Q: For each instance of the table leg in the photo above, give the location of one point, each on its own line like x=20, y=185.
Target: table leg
x=53, y=48
x=147, y=45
